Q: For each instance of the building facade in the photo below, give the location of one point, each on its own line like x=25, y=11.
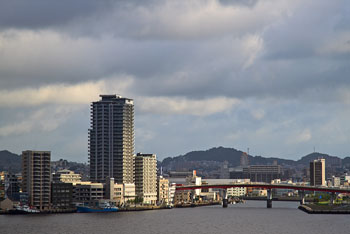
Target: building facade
x=318, y=172
x=66, y=176
x=36, y=182
x=262, y=173
x=146, y=177
x=62, y=195
x=111, y=139
x=87, y=191
x=162, y=190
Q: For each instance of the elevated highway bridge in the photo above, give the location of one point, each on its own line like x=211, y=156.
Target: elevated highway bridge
x=300, y=188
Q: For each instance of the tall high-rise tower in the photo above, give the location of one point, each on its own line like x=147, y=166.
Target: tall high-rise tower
x=36, y=172
x=318, y=172
x=111, y=139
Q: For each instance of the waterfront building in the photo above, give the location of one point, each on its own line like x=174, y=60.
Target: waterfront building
x=88, y=191
x=119, y=193
x=36, y=172
x=62, y=195
x=172, y=190
x=2, y=186
x=182, y=196
x=162, y=190
x=318, y=172
x=236, y=191
x=111, y=139
x=129, y=192
x=14, y=182
x=262, y=173
x=194, y=180
x=146, y=177
x=66, y=176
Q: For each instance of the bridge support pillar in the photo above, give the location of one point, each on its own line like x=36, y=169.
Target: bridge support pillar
x=333, y=198
x=302, y=197
x=224, y=199
x=269, y=198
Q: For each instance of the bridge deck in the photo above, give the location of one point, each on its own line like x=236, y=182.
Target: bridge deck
x=266, y=186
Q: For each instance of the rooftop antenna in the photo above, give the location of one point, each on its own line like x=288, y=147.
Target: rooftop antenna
x=248, y=151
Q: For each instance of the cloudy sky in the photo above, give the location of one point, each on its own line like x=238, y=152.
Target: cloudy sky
x=271, y=75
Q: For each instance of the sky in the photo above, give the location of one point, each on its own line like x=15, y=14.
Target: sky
x=269, y=75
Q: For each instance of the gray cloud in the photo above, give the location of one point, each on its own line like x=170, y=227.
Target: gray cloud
x=249, y=3
x=240, y=72
x=38, y=14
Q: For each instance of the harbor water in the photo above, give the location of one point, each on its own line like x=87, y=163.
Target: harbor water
x=251, y=217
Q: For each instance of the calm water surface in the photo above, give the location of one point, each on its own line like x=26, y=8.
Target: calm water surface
x=251, y=217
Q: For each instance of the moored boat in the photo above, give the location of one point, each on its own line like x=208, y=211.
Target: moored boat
x=97, y=207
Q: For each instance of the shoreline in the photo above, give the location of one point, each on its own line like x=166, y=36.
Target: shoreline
x=324, y=209
x=122, y=209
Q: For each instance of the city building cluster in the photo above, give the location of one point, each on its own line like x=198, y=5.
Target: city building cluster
x=120, y=177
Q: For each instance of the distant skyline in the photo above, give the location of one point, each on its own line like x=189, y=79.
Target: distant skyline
x=271, y=75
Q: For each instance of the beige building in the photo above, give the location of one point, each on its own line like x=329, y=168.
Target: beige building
x=146, y=177
x=318, y=172
x=6, y=204
x=36, y=171
x=236, y=191
x=182, y=196
x=66, y=176
x=120, y=193
x=129, y=192
x=162, y=190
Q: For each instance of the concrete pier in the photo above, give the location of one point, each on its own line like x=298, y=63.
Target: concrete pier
x=225, y=200
x=333, y=198
x=269, y=198
x=302, y=197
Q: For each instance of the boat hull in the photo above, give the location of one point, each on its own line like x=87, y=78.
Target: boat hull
x=84, y=209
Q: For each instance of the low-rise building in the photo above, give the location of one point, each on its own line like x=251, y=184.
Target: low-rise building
x=88, y=191
x=236, y=192
x=129, y=192
x=62, y=195
x=172, y=190
x=162, y=190
x=182, y=196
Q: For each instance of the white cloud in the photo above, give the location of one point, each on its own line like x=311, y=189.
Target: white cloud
x=42, y=120
x=300, y=137
x=81, y=93
x=258, y=114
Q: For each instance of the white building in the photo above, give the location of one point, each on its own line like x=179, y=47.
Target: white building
x=194, y=180
x=146, y=177
x=129, y=192
x=172, y=190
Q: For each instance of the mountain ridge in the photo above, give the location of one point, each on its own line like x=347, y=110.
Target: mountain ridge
x=232, y=155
